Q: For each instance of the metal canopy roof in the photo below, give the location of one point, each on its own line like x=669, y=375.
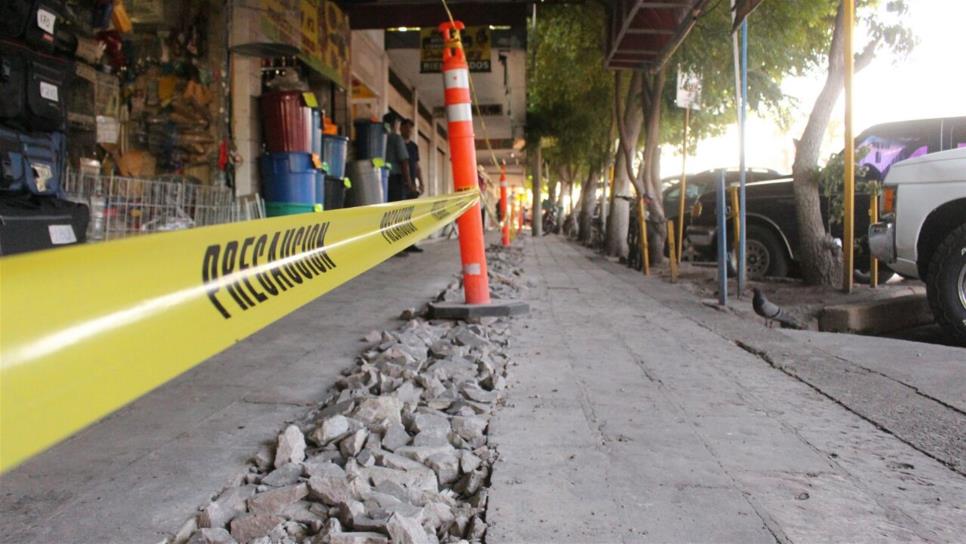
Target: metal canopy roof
x=644, y=33
x=375, y=14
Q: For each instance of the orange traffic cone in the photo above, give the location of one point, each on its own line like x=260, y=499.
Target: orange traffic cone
x=462, y=147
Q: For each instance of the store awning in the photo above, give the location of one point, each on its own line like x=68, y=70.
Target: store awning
x=644, y=33
x=375, y=14
x=742, y=9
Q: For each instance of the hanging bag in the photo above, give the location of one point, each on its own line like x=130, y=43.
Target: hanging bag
x=41, y=104
x=31, y=163
x=36, y=22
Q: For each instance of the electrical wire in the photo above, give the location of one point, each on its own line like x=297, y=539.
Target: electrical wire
x=479, y=113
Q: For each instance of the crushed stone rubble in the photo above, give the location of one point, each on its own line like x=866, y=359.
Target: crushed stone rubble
x=398, y=451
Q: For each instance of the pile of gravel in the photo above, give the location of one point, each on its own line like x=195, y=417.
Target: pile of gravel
x=397, y=452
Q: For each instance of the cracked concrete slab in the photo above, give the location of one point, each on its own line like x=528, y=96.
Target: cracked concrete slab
x=682, y=435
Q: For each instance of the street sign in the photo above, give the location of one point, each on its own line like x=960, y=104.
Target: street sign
x=689, y=90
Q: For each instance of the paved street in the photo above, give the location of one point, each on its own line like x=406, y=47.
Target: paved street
x=634, y=416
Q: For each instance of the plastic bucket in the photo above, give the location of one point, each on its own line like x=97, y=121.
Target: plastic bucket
x=320, y=188
x=287, y=122
x=370, y=139
x=288, y=177
x=276, y=209
x=334, y=150
x=384, y=176
x=366, y=185
x=316, y=132
x=334, y=193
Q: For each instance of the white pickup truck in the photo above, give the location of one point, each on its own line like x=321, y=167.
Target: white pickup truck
x=923, y=231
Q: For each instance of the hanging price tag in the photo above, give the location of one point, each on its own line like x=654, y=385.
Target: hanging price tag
x=48, y=91
x=62, y=234
x=46, y=20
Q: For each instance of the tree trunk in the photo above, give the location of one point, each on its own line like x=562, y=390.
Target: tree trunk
x=588, y=198
x=536, y=216
x=657, y=220
x=618, y=220
x=821, y=264
x=552, y=184
x=818, y=253
x=629, y=128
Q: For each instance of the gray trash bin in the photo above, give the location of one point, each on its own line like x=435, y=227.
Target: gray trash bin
x=366, y=185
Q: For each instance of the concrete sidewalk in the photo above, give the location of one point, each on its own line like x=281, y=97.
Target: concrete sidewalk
x=639, y=414
x=636, y=413
x=138, y=474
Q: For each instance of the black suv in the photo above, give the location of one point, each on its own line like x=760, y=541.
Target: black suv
x=772, y=238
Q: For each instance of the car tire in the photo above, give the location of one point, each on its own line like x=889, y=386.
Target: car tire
x=946, y=284
x=764, y=254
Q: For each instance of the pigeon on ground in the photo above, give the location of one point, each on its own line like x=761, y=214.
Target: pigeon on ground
x=771, y=311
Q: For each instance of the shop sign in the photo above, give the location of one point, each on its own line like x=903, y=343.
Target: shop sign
x=476, y=45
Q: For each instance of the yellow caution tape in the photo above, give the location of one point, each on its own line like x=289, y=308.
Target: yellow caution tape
x=87, y=329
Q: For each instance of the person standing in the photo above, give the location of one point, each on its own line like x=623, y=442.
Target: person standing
x=400, y=178
x=415, y=172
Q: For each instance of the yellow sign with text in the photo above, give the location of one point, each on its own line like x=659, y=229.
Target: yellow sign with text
x=476, y=41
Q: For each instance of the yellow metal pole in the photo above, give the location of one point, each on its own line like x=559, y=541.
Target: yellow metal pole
x=849, y=193
x=682, y=194
x=610, y=182
x=512, y=215
x=645, y=253
x=673, y=252
x=736, y=212
x=873, y=218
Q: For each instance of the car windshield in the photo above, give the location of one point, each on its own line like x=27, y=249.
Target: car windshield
x=694, y=191
x=882, y=152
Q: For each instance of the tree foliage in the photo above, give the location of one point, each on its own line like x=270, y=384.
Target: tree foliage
x=569, y=91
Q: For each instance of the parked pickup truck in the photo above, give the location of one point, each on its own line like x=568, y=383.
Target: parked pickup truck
x=923, y=231
x=772, y=228
x=772, y=239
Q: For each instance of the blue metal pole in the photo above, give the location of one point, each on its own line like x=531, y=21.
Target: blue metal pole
x=722, y=241
x=743, y=174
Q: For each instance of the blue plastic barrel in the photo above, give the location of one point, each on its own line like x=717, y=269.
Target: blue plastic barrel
x=288, y=177
x=370, y=139
x=334, y=150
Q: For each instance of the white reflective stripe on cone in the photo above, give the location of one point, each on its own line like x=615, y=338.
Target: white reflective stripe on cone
x=459, y=112
x=457, y=79
x=472, y=269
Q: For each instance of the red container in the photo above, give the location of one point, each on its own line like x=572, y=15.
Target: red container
x=287, y=122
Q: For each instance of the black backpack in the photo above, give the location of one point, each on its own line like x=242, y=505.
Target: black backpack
x=39, y=23
x=34, y=87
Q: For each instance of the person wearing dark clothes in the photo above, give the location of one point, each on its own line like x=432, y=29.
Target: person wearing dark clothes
x=415, y=173
x=412, y=149
x=400, y=179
